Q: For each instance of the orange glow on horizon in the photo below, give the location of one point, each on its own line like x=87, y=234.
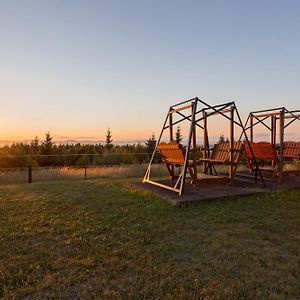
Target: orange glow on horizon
x=216, y=128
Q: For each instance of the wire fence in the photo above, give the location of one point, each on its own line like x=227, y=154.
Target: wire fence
x=42, y=167
x=27, y=168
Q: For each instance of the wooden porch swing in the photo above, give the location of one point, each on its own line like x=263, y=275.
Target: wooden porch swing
x=273, y=152
x=220, y=155
x=263, y=152
x=173, y=156
x=183, y=165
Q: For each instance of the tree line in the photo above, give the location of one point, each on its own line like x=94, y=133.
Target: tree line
x=46, y=153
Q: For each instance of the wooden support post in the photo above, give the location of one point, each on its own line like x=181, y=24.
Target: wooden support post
x=188, y=148
x=275, y=130
x=281, y=140
x=29, y=174
x=85, y=173
x=205, y=143
x=272, y=129
x=194, y=153
x=251, y=129
x=171, y=136
x=171, y=126
x=273, y=135
x=231, y=170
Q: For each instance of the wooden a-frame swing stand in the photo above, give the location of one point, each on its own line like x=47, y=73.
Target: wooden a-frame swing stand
x=276, y=120
x=197, y=113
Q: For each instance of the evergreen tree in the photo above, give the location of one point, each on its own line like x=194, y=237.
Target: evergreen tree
x=151, y=143
x=108, y=139
x=178, y=135
x=221, y=139
x=34, y=145
x=46, y=148
x=47, y=145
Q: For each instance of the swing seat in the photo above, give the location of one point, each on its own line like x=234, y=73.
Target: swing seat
x=172, y=156
x=263, y=152
x=221, y=154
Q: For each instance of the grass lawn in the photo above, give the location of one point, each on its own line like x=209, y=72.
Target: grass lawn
x=98, y=239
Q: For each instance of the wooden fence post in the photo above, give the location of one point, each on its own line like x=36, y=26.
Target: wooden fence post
x=84, y=173
x=29, y=174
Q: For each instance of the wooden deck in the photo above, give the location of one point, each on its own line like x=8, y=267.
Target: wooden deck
x=215, y=191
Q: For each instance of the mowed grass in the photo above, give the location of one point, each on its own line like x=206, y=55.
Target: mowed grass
x=78, y=239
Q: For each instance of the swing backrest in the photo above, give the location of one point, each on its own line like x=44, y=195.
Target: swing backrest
x=221, y=151
x=291, y=150
x=261, y=151
x=171, y=153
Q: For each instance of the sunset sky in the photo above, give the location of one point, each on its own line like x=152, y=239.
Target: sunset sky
x=75, y=68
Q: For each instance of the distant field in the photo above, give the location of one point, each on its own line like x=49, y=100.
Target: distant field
x=72, y=239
